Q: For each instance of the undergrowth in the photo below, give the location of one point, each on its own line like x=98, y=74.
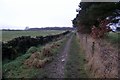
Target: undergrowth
x=17, y=69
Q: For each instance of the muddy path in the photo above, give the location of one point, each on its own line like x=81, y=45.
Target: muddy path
x=56, y=68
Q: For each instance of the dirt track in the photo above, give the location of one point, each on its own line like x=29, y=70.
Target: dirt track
x=56, y=68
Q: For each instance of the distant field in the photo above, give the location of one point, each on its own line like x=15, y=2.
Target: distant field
x=113, y=37
x=8, y=35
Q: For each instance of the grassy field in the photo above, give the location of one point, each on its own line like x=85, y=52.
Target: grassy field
x=113, y=37
x=8, y=35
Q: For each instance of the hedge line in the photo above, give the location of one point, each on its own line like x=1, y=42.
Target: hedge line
x=16, y=46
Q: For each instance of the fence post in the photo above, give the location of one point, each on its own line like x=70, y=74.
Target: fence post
x=93, y=47
x=86, y=38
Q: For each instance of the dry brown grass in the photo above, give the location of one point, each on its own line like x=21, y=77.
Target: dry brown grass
x=55, y=45
x=35, y=59
x=35, y=63
x=47, y=51
x=40, y=64
x=102, y=61
x=35, y=55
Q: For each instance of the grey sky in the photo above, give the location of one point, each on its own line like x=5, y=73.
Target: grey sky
x=17, y=14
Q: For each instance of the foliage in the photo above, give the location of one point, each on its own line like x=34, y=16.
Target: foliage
x=92, y=13
x=99, y=32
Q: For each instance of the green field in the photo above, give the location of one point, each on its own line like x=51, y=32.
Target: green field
x=113, y=37
x=8, y=35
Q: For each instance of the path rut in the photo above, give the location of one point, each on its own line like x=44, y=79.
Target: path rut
x=56, y=68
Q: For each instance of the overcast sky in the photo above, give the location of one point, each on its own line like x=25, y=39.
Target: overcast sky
x=17, y=14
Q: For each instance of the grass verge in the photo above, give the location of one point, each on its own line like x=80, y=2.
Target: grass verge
x=74, y=67
x=17, y=69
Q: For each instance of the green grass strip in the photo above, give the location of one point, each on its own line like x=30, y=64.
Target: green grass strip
x=75, y=64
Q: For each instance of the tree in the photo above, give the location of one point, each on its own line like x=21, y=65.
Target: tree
x=26, y=28
x=92, y=13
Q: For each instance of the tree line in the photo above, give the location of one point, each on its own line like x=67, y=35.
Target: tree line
x=94, y=15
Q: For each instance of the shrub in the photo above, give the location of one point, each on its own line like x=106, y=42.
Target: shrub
x=99, y=32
